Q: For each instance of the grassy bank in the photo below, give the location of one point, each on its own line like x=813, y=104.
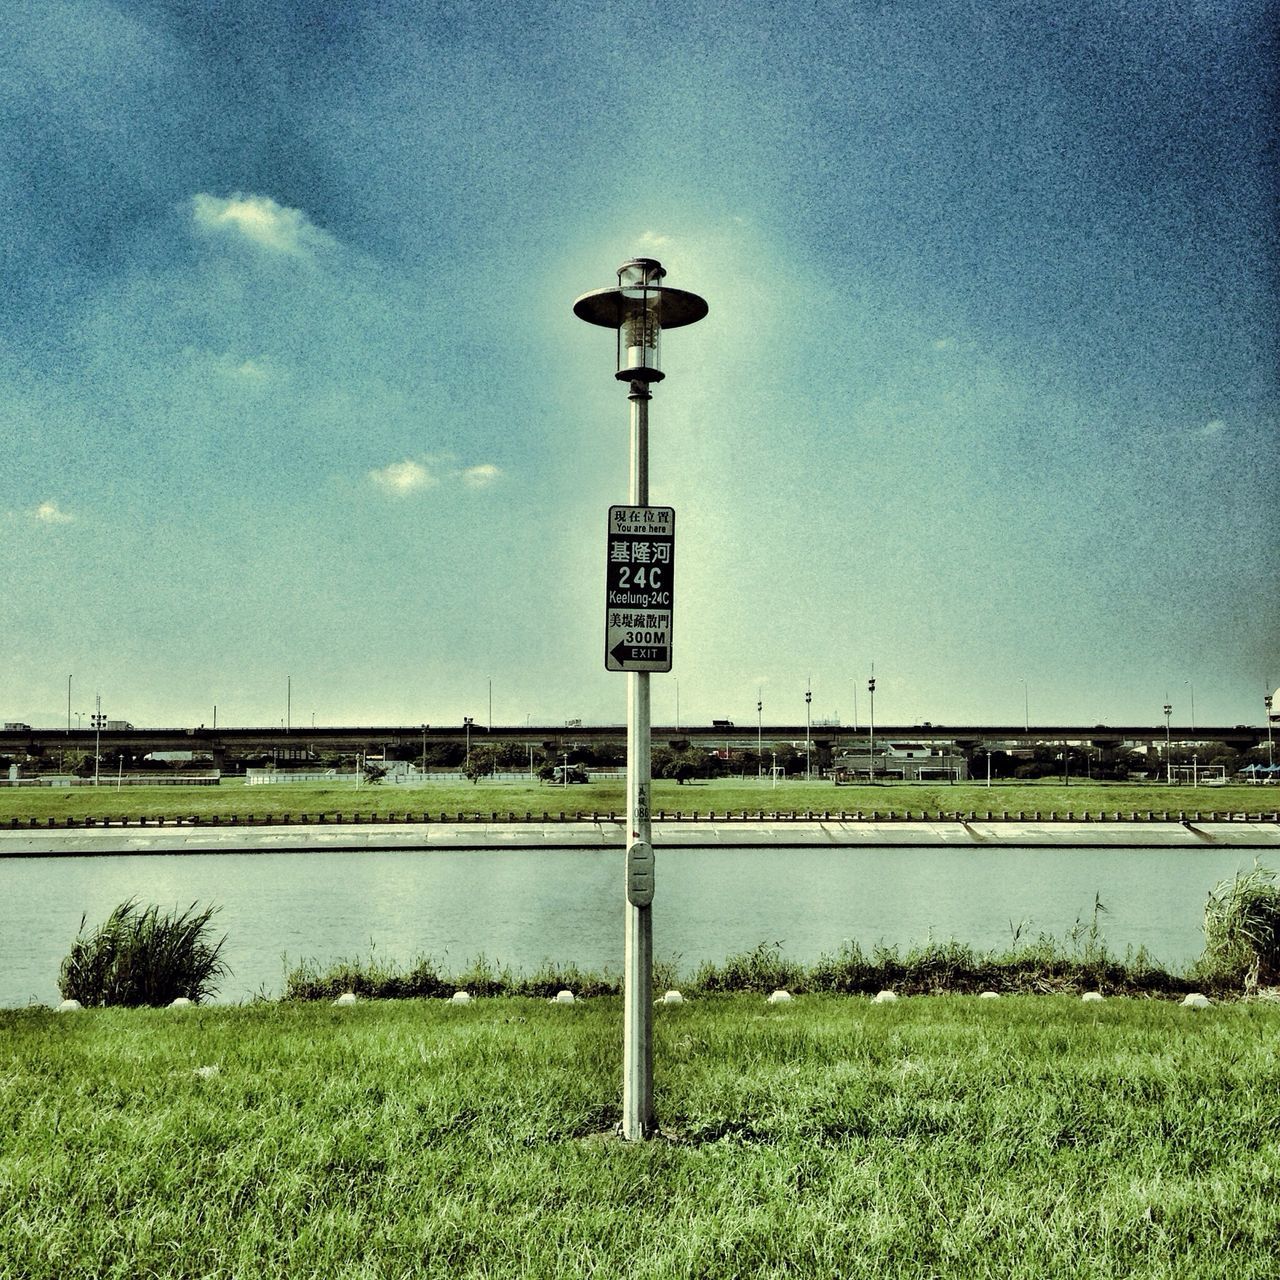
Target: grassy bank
x=1045, y=965
x=931, y=1137
x=516, y=799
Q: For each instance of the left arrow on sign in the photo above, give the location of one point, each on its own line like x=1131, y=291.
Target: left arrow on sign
x=638, y=653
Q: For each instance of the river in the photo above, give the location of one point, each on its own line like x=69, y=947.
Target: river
x=522, y=906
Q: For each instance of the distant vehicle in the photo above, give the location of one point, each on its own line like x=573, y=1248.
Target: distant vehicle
x=722, y=724
x=575, y=774
x=118, y=724
x=17, y=725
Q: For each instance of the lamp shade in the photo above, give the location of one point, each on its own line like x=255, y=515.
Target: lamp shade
x=638, y=310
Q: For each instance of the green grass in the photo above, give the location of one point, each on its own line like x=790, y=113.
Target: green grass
x=933, y=1137
x=719, y=796
x=1078, y=963
x=141, y=955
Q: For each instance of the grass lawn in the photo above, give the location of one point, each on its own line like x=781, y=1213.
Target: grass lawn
x=936, y=1136
x=719, y=796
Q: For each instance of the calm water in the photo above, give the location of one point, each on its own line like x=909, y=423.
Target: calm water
x=520, y=907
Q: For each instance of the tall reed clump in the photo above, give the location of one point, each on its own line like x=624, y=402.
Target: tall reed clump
x=1242, y=929
x=139, y=956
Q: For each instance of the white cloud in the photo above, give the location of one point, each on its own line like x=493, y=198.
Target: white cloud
x=402, y=478
x=1214, y=427
x=260, y=219
x=50, y=513
x=943, y=344
x=654, y=240
x=480, y=476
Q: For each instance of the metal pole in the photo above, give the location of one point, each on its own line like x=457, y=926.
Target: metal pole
x=97, y=738
x=637, y=980
x=808, y=699
x=760, y=733
x=871, y=758
x=1266, y=702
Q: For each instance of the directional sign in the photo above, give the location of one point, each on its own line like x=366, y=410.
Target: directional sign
x=639, y=588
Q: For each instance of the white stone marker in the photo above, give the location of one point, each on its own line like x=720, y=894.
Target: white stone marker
x=780, y=997
x=347, y=997
x=884, y=997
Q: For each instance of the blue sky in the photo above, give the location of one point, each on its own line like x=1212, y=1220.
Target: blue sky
x=290, y=386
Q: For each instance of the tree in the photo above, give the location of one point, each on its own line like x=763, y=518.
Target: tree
x=482, y=761
x=373, y=773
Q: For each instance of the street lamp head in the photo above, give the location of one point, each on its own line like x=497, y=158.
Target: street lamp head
x=638, y=310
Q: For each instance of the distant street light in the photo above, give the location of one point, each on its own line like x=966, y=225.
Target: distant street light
x=1168, y=745
x=871, y=754
x=808, y=699
x=1266, y=702
x=1193, y=703
x=760, y=733
x=467, y=722
x=425, y=727
x=1026, y=706
x=98, y=721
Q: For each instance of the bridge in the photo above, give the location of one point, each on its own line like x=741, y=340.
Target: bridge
x=221, y=743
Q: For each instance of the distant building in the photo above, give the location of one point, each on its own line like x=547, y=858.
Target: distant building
x=904, y=761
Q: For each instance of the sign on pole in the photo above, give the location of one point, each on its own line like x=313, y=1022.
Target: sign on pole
x=639, y=591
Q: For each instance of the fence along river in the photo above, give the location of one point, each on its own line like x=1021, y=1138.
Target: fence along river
x=520, y=907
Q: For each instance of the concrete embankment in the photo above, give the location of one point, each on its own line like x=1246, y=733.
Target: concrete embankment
x=604, y=834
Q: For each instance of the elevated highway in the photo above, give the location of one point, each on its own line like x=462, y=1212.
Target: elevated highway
x=237, y=742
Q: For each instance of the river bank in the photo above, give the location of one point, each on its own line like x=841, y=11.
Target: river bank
x=167, y=837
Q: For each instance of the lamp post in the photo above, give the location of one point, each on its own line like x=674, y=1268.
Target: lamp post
x=638, y=309
x=808, y=699
x=98, y=720
x=871, y=753
x=1026, y=707
x=1266, y=702
x=467, y=722
x=1168, y=745
x=760, y=733
x=1193, y=704
x=425, y=727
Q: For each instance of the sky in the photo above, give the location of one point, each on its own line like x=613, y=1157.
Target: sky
x=296, y=418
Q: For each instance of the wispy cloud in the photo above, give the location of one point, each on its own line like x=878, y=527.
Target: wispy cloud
x=51, y=513
x=259, y=219
x=481, y=475
x=654, y=240
x=1214, y=427
x=416, y=474
x=403, y=478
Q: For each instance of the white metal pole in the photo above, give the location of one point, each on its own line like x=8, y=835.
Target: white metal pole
x=637, y=981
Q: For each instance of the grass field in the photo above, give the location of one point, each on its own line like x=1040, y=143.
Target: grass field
x=933, y=1137
x=718, y=796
